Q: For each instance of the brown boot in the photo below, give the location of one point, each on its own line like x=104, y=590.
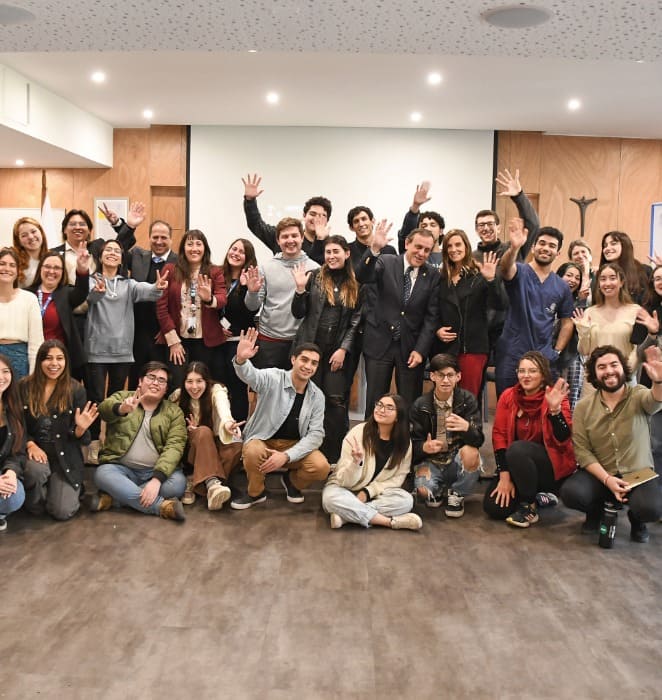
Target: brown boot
x=172, y=509
x=101, y=501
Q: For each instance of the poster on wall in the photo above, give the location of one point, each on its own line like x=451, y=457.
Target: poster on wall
x=656, y=228
x=102, y=227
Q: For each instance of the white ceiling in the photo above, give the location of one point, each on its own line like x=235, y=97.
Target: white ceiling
x=349, y=63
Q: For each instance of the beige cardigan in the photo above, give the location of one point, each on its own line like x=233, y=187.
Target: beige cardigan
x=355, y=477
x=220, y=408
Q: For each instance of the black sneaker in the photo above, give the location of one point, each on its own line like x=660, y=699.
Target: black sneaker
x=525, y=516
x=638, y=530
x=247, y=501
x=293, y=493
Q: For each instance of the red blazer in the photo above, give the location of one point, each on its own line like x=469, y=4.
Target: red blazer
x=561, y=454
x=169, y=308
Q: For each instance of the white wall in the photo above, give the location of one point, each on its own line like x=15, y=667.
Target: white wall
x=379, y=168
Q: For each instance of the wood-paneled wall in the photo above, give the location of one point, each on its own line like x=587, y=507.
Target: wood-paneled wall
x=149, y=165
x=625, y=175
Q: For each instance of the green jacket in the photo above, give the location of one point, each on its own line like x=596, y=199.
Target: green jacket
x=168, y=429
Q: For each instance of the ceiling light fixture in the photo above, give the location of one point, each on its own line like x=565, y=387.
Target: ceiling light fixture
x=516, y=16
x=98, y=77
x=20, y=162
x=434, y=78
x=148, y=113
x=273, y=98
x=574, y=104
x=252, y=50
x=416, y=116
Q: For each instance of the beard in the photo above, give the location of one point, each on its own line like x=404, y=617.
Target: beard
x=610, y=389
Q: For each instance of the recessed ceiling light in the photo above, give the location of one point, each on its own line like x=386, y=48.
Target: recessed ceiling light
x=416, y=116
x=516, y=16
x=434, y=78
x=252, y=50
x=20, y=162
x=574, y=104
x=148, y=113
x=273, y=98
x=98, y=77
x=640, y=61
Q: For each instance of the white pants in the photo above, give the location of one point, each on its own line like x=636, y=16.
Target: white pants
x=343, y=502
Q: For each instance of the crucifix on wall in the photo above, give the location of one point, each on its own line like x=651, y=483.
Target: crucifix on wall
x=583, y=204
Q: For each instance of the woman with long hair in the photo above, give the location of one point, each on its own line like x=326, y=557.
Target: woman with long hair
x=214, y=445
x=613, y=318
x=110, y=327
x=30, y=244
x=616, y=247
x=532, y=443
x=327, y=299
x=570, y=364
x=12, y=443
x=468, y=293
x=236, y=318
x=21, y=331
x=189, y=314
x=366, y=486
x=57, y=300
x=57, y=418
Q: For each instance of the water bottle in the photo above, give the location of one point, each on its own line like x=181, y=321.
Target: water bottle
x=608, y=526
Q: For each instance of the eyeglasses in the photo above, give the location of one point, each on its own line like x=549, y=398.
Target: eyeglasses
x=486, y=224
x=446, y=375
x=384, y=407
x=527, y=372
x=153, y=379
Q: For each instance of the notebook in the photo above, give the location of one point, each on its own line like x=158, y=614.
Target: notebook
x=641, y=476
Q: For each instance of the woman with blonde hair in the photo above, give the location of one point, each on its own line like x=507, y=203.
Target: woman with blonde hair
x=30, y=245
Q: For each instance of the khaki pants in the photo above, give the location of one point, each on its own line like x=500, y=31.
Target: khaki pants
x=313, y=467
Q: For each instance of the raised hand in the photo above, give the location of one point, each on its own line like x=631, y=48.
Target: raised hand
x=653, y=364
x=136, y=214
x=191, y=423
x=517, y=233
x=649, y=320
x=99, y=284
x=162, y=280
x=554, y=395
x=656, y=259
x=254, y=280
x=300, y=276
x=488, y=268
x=252, y=186
x=579, y=318
x=322, y=230
x=204, y=288
x=380, y=236
x=511, y=185
x=357, y=449
x=86, y=417
x=109, y=214
x=82, y=259
x=421, y=196
x=246, y=348
x=130, y=403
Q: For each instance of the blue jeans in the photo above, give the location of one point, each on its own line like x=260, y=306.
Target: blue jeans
x=125, y=485
x=14, y=502
x=453, y=477
x=343, y=502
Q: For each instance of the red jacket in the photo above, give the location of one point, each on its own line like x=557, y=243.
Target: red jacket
x=561, y=454
x=169, y=308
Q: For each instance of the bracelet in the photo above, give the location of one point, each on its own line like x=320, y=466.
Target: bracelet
x=604, y=483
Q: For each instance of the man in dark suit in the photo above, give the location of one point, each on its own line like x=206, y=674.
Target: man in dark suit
x=143, y=265
x=402, y=318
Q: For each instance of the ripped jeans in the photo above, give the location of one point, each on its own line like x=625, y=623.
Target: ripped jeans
x=452, y=477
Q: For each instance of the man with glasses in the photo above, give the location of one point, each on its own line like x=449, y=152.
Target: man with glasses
x=287, y=427
x=446, y=434
x=145, y=440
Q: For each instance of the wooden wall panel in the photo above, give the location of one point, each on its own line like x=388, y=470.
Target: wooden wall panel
x=167, y=164
x=169, y=204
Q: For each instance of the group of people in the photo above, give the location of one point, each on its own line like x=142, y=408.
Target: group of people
x=163, y=347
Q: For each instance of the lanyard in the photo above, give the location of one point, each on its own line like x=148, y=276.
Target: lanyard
x=42, y=306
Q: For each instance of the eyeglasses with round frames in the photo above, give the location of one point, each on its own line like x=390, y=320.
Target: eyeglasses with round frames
x=384, y=407
x=153, y=379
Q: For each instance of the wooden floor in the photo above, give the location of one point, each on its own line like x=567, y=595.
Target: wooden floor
x=272, y=603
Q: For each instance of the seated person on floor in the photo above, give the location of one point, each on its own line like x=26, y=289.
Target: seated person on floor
x=366, y=486
x=287, y=427
x=446, y=434
x=532, y=444
x=145, y=441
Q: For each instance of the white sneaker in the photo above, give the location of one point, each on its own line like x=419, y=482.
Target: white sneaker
x=408, y=521
x=336, y=521
x=188, y=499
x=454, y=505
x=217, y=495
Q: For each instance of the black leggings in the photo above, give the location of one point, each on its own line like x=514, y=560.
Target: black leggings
x=530, y=470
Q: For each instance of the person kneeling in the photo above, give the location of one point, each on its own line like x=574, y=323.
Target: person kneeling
x=532, y=444
x=145, y=441
x=446, y=434
x=374, y=462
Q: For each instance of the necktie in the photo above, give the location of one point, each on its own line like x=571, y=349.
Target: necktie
x=157, y=261
x=407, y=287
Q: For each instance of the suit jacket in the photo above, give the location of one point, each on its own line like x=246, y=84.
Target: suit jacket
x=417, y=319
x=139, y=260
x=169, y=308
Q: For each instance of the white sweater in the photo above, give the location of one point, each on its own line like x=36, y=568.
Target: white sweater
x=20, y=320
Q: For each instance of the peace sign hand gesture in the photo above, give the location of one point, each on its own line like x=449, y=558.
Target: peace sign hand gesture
x=82, y=259
x=357, y=450
x=162, y=280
